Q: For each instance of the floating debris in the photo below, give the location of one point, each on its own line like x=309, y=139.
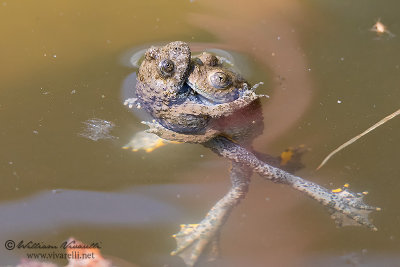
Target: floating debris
x=96, y=129
x=352, y=140
x=381, y=29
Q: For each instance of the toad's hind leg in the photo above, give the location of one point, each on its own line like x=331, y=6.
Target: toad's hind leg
x=347, y=207
x=193, y=240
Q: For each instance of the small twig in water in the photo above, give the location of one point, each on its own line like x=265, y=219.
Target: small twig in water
x=379, y=123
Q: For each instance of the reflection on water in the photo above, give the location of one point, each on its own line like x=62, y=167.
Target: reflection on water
x=137, y=208
x=311, y=54
x=359, y=259
x=65, y=207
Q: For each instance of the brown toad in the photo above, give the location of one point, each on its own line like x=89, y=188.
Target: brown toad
x=162, y=91
x=205, y=113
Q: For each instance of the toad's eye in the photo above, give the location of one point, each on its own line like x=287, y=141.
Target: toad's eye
x=220, y=80
x=166, y=67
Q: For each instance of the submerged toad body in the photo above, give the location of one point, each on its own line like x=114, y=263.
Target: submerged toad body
x=197, y=101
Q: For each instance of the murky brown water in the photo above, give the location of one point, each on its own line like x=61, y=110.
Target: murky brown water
x=61, y=66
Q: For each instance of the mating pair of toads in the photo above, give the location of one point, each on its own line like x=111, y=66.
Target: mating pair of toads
x=199, y=100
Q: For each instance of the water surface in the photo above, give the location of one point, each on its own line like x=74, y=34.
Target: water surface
x=329, y=78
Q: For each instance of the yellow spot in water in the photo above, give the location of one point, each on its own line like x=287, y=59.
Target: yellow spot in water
x=337, y=190
x=286, y=156
x=346, y=185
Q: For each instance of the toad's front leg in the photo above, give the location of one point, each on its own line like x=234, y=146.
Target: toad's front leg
x=194, y=239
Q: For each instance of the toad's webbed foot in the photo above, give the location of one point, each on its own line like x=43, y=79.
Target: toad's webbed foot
x=354, y=211
x=195, y=240
x=343, y=203
x=167, y=134
x=346, y=207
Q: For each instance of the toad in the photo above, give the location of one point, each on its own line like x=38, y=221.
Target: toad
x=196, y=101
x=162, y=91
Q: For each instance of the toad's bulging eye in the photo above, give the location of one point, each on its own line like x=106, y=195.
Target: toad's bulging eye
x=220, y=80
x=166, y=67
